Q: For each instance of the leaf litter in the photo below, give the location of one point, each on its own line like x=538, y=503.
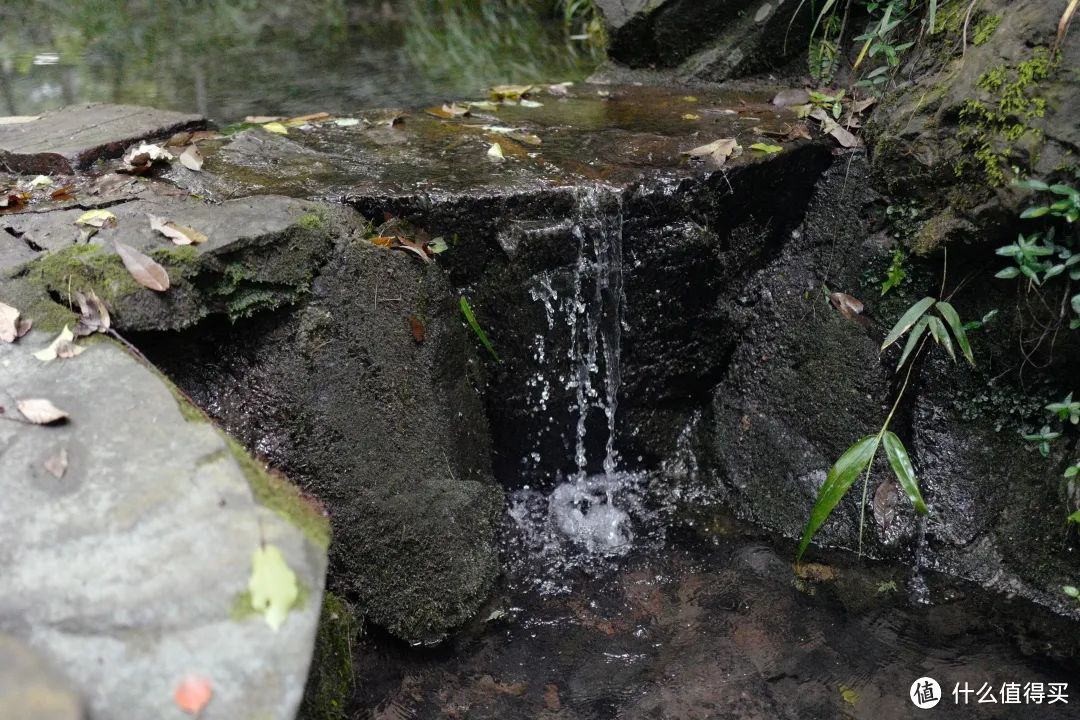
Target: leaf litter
x=179, y=234
x=143, y=269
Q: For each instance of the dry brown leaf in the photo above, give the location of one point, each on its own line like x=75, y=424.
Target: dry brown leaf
x=40, y=411
x=9, y=323
x=192, y=159
x=382, y=241
x=145, y=271
x=93, y=315
x=142, y=157
x=66, y=350
x=13, y=199
x=413, y=247
x=449, y=111
x=551, y=697
x=848, y=306
x=64, y=192
x=61, y=341
x=798, y=131
x=23, y=326
x=860, y=105
x=192, y=694
x=57, y=464
x=844, y=136
x=815, y=572
x=305, y=119
x=417, y=328
x=179, y=234
x=718, y=150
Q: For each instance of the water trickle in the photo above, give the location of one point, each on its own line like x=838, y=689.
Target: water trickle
x=587, y=517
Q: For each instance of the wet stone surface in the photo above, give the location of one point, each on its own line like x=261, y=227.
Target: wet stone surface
x=71, y=139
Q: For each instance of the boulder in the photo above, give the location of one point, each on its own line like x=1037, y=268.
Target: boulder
x=710, y=41
x=32, y=690
x=130, y=532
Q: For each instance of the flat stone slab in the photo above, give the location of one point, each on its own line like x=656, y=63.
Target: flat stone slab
x=614, y=134
x=30, y=689
x=74, y=137
x=128, y=570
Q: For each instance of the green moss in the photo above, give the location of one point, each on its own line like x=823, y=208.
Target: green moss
x=985, y=28
x=991, y=128
x=330, y=680
x=311, y=221
x=86, y=267
x=277, y=493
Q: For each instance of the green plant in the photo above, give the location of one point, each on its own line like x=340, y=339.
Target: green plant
x=1043, y=255
x=876, y=40
x=1043, y=437
x=470, y=318
x=858, y=459
x=896, y=272
x=1066, y=411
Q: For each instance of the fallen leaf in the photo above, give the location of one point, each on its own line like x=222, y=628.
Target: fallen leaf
x=40, y=411
x=57, y=464
x=483, y=105
x=551, y=697
x=415, y=248
x=792, y=96
x=513, y=133
x=346, y=122
x=66, y=350
x=843, y=136
x=860, y=105
x=275, y=127
x=531, y=103
x=262, y=119
x=815, y=572
x=93, y=315
x=718, y=150
x=417, y=328
x=141, y=158
x=61, y=341
x=272, y=585
x=382, y=241
x=9, y=323
x=560, y=89
x=13, y=199
x=690, y=116
x=449, y=111
x=510, y=92
x=179, y=234
x=766, y=148
x=798, y=131
x=145, y=271
x=23, y=326
x=64, y=192
x=690, y=98
x=40, y=181
x=496, y=152
x=848, y=306
x=309, y=118
x=192, y=159
x=96, y=219
x=192, y=694
x=18, y=119
x=436, y=246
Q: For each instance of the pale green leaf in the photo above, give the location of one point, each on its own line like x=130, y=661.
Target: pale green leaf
x=953, y=318
x=272, y=586
x=908, y=319
x=941, y=335
x=766, y=148
x=913, y=340
x=905, y=473
x=837, y=482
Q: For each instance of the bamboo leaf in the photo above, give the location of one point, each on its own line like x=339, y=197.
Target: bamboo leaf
x=913, y=340
x=905, y=473
x=837, y=482
x=908, y=319
x=953, y=318
x=471, y=319
x=941, y=335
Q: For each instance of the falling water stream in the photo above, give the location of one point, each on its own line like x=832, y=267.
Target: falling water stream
x=627, y=594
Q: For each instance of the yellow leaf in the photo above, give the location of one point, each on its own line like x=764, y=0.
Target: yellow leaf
x=272, y=586
x=96, y=219
x=275, y=127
